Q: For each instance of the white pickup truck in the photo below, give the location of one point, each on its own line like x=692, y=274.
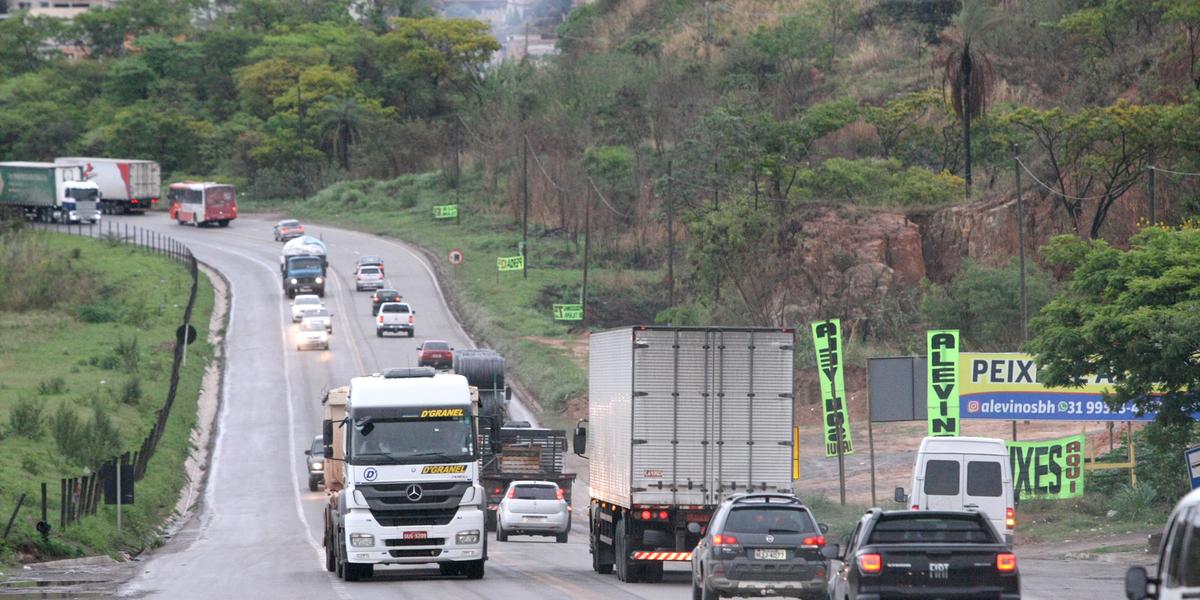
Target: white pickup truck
x=396, y=317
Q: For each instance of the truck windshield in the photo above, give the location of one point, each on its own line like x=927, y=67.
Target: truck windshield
x=83, y=195
x=413, y=440
x=304, y=263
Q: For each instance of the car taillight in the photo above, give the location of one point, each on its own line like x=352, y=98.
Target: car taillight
x=154, y=201
x=410, y=319
x=381, y=318
x=497, y=491
x=559, y=493
x=724, y=540
x=916, y=507
x=1006, y=562
x=647, y=515
x=512, y=493
x=663, y=515
x=1010, y=518
x=870, y=563
x=816, y=540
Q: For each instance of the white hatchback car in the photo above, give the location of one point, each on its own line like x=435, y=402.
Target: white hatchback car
x=368, y=277
x=322, y=317
x=533, y=508
x=312, y=335
x=304, y=303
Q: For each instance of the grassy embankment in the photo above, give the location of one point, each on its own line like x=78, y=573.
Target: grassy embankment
x=502, y=310
x=87, y=331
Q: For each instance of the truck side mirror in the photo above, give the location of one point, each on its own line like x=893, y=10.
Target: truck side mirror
x=579, y=440
x=900, y=496
x=1137, y=583
x=508, y=392
x=327, y=438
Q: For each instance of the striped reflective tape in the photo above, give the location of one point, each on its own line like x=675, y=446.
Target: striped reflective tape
x=662, y=556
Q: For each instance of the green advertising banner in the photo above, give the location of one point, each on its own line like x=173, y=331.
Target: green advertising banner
x=943, y=382
x=568, y=312
x=445, y=211
x=1051, y=469
x=510, y=263
x=827, y=341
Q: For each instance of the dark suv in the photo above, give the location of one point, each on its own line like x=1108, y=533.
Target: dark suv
x=381, y=296
x=760, y=544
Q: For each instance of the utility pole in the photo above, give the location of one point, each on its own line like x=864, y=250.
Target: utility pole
x=1021, y=253
x=300, y=112
x=670, y=238
x=1152, y=187
x=587, y=246
x=525, y=210
x=457, y=173
x=717, y=208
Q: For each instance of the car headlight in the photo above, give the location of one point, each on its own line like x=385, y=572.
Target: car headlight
x=319, y=280
x=468, y=537
x=362, y=540
x=317, y=466
x=293, y=280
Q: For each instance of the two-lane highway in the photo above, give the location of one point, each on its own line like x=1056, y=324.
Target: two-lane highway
x=257, y=534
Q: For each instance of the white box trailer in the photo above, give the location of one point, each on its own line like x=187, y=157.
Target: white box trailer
x=679, y=419
x=126, y=185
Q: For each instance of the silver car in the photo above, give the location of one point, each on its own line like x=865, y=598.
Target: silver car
x=533, y=508
x=312, y=335
x=321, y=317
x=368, y=278
x=303, y=304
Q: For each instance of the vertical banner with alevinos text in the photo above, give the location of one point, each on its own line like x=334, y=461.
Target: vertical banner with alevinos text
x=943, y=382
x=827, y=340
x=1050, y=469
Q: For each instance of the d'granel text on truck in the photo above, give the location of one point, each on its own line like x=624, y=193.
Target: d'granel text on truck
x=407, y=489
x=681, y=418
x=48, y=192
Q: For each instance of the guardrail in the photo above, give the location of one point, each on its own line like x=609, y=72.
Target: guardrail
x=80, y=496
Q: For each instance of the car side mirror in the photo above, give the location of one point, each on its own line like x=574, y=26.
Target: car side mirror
x=833, y=551
x=900, y=496
x=1137, y=583
x=693, y=528
x=418, y=347
x=327, y=438
x=308, y=452
x=824, y=527
x=579, y=440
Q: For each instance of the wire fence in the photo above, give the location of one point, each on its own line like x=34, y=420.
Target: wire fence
x=81, y=496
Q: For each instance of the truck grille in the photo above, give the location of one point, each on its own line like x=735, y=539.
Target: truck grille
x=424, y=542
x=394, y=504
x=431, y=553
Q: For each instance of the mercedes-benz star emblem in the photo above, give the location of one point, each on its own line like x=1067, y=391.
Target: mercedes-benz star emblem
x=413, y=492
x=770, y=538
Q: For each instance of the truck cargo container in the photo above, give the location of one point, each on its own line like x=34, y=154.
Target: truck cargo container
x=48, y=192
x=126, y=185
x=679, y=420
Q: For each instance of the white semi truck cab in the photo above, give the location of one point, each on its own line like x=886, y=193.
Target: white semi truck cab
x=411, y=491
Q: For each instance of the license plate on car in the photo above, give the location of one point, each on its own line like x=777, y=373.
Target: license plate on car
x=533, y=518
x=416, y=535
x=762, y=554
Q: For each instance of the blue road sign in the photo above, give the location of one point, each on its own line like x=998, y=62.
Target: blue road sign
x=1192, y=455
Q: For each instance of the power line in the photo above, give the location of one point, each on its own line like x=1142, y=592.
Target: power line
x=1182, y=173
x=605, y=200
x=541, y=167
x=471, y=131
x=1054, y=191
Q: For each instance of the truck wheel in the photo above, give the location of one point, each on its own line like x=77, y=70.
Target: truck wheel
x=599, y=565
x=312, y=484
x=358, y=571
x=472, y=569
x=330, y=558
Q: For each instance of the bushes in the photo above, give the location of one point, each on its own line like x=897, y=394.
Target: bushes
x=875, y=182
x=52, y=386
x=26, y=419
x=131, y=392
x=128, y=353
x=85, y=444
x=984, y=303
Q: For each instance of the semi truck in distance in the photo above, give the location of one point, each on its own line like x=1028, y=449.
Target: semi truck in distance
x=511, y=451
x=679, y=419
x=48, y=192
x=126, y=185
x=407, y=491
x=304, y=265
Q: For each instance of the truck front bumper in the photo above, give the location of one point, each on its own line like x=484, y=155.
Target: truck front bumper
x=460, y=540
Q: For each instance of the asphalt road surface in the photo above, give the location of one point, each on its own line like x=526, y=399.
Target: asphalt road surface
x=258, y=532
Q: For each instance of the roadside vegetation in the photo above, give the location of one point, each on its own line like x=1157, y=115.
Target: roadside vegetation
x=87, y=329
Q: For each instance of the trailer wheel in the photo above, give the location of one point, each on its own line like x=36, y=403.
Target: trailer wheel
x=330, y=558
x=627, y=570
x=599, y=564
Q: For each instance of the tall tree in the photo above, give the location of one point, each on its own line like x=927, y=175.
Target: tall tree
x=968, y=73
x=341, y=125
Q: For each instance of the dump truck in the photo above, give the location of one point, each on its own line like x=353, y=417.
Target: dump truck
x=126, y=185
x=511, y=451
x=679, y=419
x=49, y=193
x=304, y=264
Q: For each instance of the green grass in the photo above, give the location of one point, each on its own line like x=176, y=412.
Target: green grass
x=502, y=310
x=51, y=357
x=1081, y=518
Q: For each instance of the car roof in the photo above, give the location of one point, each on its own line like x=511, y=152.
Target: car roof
x=307, y=297
x=369, y=258
x=532, y=482
x=288, y=222
x=435, y=342
x=405, y=304
x=365, y=267
x=387, y=291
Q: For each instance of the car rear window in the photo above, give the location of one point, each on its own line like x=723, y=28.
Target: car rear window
x=436, y=346
x=308, y=300
x=536, y=492
x=764, y=519
x=289, y=224
x=395, y=308
x=921, y=529
x=984, y=479
x=310, y=326
x=941, y=478
x=369, y=270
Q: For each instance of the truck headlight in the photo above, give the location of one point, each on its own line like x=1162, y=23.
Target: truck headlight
x=317, y=466
x=362, y=540
x=293, y=281
x=320, y=280
x=466, y=538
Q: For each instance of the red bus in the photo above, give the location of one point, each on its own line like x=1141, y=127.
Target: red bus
x=202, y=203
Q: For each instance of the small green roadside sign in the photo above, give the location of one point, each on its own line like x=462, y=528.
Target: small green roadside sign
x=445, y=211
x=510, y=263
x=568, y=312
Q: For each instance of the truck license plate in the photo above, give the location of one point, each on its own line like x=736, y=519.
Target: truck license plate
x=416, y=535
x=761, y=554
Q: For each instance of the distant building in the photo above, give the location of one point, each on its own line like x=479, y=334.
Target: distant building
x=517, y=47
x=63, y=9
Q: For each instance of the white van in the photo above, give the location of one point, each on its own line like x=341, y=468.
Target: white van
x=964, y=473
x=1178, y=573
